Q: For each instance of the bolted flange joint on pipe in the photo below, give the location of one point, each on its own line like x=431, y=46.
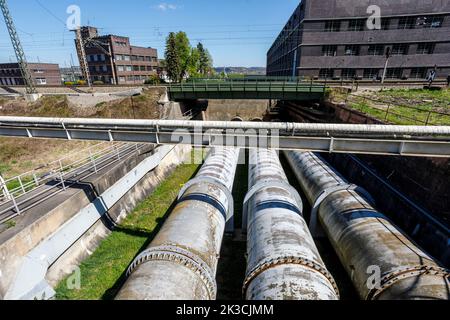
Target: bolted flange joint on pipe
x=181, y=262
x=383, y=263
x=283, y=262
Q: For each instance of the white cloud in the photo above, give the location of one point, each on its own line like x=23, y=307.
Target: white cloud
x=166, y=6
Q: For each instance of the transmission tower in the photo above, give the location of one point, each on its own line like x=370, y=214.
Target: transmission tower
x=80, y=44
x=20, y=55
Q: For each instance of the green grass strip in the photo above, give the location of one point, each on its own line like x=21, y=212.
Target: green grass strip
x=102, y=274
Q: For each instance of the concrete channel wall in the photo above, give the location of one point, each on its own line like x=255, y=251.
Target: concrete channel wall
x=34, y=229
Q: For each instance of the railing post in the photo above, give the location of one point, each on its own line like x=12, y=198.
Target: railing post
x=4, y=188
x=36, y=180
x=387, y=112
x=93, y=161
x=15, y=205
x=428, y=118
x=62, y=180
x=21, y=184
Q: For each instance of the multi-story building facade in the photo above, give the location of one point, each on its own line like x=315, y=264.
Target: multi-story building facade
x=72, y=74
x=112, y=60
x=41, y=73
x=344, y=39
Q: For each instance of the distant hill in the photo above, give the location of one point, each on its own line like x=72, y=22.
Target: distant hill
x=242, y=70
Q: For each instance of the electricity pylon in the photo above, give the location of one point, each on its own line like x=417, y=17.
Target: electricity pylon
x=20, y=55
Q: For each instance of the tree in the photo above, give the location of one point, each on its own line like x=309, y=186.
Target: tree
x=206, y=62
x=173, y=61
x=193, y=68
x=183, y=60
x=183, y=49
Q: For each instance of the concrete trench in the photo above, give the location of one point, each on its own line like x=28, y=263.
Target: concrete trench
x=285, y=258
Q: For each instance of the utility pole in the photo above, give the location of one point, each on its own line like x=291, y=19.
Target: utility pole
x=388, y=55
x=20, y=55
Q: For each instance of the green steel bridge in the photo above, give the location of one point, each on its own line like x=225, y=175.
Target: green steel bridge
x=261, y=88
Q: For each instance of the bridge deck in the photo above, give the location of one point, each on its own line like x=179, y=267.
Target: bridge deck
x=216, y=89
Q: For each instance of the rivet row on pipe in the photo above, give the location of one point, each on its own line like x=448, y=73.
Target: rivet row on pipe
x=283, y=261
x=383, y=263
x=181, y=262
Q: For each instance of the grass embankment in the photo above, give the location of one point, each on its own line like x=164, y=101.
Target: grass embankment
x=102, y=274
x=22, y=155
x=405, y=106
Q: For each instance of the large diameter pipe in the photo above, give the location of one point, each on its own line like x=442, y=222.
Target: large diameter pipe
x=383, y=263
x=181, y=262
x=283, y=261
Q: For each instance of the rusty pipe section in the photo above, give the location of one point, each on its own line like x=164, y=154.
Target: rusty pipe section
x=181, y=262
x=283, y=262
x=380, y=259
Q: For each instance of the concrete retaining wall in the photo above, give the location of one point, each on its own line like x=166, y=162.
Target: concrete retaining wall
x=226, y=110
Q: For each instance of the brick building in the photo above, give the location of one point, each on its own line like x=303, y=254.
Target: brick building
x=332, y=39
x=114, y=61
x=42, y=74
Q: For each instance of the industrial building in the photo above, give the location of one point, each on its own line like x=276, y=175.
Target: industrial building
x=113, y=60
x=338, y=39
x=41, y=73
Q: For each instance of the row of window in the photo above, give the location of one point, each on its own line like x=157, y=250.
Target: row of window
x=133, y=78
x=96, y=57
x=124, y=57
x=386, y=23
x=374, y=73
x=135, y=68
x=379, y=49
x=18, y=81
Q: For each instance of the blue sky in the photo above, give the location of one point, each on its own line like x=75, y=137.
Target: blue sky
x=237, y=32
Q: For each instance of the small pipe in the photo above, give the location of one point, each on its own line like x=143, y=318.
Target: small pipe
x=181, y=262
x=383, y=263
x=283, y=261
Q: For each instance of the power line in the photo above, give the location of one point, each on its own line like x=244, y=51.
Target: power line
x=50, y=12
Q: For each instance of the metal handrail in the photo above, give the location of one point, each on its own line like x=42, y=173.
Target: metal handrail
x=91, y=164
x=391, y=105
x=53, y=168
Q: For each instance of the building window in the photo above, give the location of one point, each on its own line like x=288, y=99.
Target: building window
x=329, y=51
x=385, y=23
x=332, y=26
x=326, y=73
x=371, y=73
x=41, y=81
x=425, y=48
x=135, y=68
x=126, y=58
x=122, y=79
x=38, y=71
x=119, y=57
x=129, y=68
x=418, y=73
x=376, y=50
x=407, y=23
x=400, y=49
x=105, y=68
x=394, y=73
x=348, y=73
x=431, y=21
x=120, y=68
x=352, y=50
x=356, y=25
